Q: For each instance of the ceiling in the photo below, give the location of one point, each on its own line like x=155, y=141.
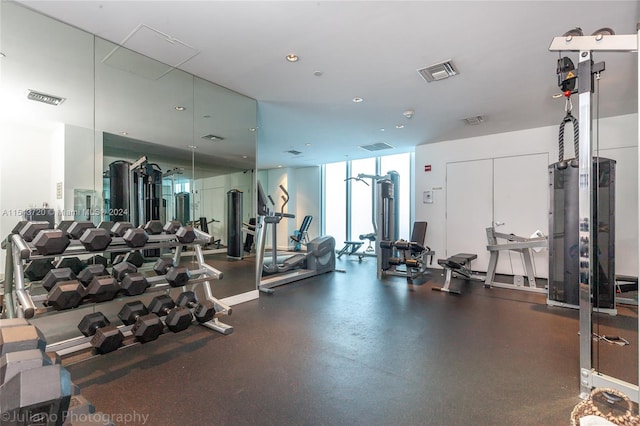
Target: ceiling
x=371, y=50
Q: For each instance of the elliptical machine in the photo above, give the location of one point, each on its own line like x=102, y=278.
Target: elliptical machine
x=319, y=258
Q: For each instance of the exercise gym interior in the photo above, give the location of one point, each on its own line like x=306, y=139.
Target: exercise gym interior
x=319, y=213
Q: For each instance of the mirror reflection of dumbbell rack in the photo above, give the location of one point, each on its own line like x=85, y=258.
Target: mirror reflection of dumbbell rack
x=19, y=302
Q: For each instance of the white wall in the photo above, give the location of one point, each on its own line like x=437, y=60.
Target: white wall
x=616, y=135
x=303, y=185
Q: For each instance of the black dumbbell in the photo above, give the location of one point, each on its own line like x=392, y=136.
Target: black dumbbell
x=50, y=241
x=106, y=225
x=30, y=229
x=176, y=276
x=178, y=318
x=64, y=226
x=134, y=257
x=119, y=228
x=54, y=276
x=186, y=234
x=37, y=269
x=135, y=237
x=95, y=239
x=102, y=289
x=172, y=227
x=16, y=229
x=106, y=337
x=153, y=227
x=74, y=263
x=87, y=274
x=204, y=311
x=76, y=229
x=146, y=326
x=132, y=283
x=66, y=295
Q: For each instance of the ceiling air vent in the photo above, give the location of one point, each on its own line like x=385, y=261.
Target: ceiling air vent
x=44, y=98
x=294, y=152
x=213, y=138
x=474, y=120
x=439, y=71
x=376, y=146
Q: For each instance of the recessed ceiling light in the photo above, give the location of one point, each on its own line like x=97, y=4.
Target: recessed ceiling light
x=245, y=156
x=252, y=129
x=357, y=100
x=292, y=57
x=192, y=146
x=280, y=166
x=382, y=130
x=399, y=126
x=307, y=144
x=124, y=133
x=180, y=108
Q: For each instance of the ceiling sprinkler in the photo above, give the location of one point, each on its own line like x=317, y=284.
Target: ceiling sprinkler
x=409, y=113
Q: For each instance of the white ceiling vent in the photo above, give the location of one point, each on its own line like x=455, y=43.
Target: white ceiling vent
x=438, y=71
x=44, y=98
x=475, y=120
x=376, y=146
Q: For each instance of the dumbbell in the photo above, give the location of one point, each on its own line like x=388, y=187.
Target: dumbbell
x=153, y=227
x=74, y=263
x=203, y=312
x=54, y=276
x=17, y=334
x=146, y=326
x=50, y=241
x=134, y=257
x=47, y=241
x=186, y=234
x=37, y=269
x=132, y=282
x=176, y=276
x=135, y=237
x=12, y=363
x=178, y=318
x=30, y=229
x=87, y=274
x=119, y=228
x=64, y=226
x=106, y=337
x=172, y=227
x=66, y=295
x=77, y=228
x=106, y=225
x=95, y=239
x=102, y=289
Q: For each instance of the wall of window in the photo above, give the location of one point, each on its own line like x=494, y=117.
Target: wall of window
x=348, y=196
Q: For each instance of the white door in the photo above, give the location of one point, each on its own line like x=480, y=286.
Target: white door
x=469, y=204
x=521, y=207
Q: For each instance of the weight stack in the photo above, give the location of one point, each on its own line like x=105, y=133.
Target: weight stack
x=234, y=224
x=386, y=220
x=183, y=213
x=119, y=195
x=564, y=273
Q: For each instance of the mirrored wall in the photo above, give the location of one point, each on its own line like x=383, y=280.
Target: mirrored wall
x=73, y=104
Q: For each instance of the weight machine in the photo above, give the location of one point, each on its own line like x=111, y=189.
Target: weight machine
x=587, y=242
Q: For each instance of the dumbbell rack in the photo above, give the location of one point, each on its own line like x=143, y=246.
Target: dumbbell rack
x=20, y=303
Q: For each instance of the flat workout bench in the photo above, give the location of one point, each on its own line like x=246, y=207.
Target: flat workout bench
x=459, y=264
